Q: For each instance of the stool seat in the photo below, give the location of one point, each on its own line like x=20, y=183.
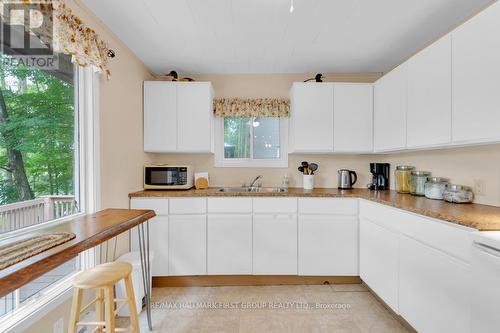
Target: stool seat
x=102, y=275
x=102, y=278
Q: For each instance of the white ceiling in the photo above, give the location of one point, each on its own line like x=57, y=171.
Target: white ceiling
x=261, y=36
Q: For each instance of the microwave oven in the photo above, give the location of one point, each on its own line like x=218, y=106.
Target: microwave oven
x=166, y=177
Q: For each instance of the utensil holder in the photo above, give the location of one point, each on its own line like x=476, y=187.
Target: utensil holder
x=308, y=182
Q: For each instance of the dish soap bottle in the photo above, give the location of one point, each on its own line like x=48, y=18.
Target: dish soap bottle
x=285, y=182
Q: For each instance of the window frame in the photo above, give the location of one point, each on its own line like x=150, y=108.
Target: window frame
x=222, y=162
x=87, y=149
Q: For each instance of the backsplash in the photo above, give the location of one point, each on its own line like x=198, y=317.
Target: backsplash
x=461, y=165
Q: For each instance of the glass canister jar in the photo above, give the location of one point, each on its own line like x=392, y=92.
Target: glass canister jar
x=417, y=183
x=403, y=178
x=434, y=187
x=458, y=193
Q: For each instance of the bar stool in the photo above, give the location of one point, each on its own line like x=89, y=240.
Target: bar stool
x=103, y=278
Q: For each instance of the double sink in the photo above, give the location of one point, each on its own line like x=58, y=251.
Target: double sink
x=252, y=189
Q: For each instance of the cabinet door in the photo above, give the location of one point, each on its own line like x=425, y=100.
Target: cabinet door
x=229, y=244
x=328, y=245
x=476, y=78
x=433, y=289
x=390, y=110
x=160, y=116
x=312, y=117
x=194, y=112
x=429, y=96
x=187, y=245
x=275, y=244
x=158, y=243
x=353, y=117
x=379, y=261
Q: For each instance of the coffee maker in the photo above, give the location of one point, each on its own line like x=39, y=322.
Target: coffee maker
x=380, y=176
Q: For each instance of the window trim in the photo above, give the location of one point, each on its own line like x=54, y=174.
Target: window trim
x=87, y=101
x=222, y=162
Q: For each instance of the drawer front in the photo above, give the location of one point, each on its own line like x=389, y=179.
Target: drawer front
x=328, y=206
x=275, y=205
x=452, y=240
x=229, y=205
x=188, y=206
x=440, y=235
x=382, y=215
x=159, y=205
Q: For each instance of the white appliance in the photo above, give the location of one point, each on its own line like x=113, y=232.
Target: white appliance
x=486, y=282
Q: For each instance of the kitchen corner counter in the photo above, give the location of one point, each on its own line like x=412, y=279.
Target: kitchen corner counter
x=480, y=217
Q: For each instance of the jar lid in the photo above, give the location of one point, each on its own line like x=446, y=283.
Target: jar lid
x=456, y=187
x=438, y=180
x=405, y=167
x=421, y=173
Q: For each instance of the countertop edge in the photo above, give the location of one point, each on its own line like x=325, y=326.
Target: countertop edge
x=475, y=216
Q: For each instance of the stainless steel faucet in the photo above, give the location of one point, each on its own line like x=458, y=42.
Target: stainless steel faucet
x=252, y=184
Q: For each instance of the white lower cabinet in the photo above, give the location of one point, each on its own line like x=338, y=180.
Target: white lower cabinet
x=328, y=245
x=379, y=261
x=229, y=247
x=433, y=289
x=275, y=244
x=187, y=245
x=158, y=235
x=158, y=240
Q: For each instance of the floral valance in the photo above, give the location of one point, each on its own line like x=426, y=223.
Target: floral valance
x=73, y=37
x=68, y=34
x=247, y=108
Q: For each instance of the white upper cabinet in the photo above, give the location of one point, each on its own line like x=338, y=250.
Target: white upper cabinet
x=178, y=117
x=391, y=101
x=476, y=78
x=353, y=117
x=160, y=116
x=195, y=117
x=429, y=96
x=311, y=118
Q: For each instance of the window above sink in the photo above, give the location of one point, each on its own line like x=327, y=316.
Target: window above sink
x=251, y=142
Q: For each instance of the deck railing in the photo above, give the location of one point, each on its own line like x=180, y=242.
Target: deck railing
x=26, y=213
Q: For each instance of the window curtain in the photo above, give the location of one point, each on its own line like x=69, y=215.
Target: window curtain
x=249, y=108
x=71, y=36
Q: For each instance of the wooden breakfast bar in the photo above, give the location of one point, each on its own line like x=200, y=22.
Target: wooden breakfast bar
x=90, y=231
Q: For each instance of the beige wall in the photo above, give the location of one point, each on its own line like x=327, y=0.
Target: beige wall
x=122, y=155
x=462, y=165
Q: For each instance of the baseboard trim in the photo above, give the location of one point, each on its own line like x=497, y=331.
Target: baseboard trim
x=249, y=280
x=398, y=317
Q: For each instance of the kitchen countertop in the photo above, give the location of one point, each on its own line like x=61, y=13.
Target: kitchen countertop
x=480, y=217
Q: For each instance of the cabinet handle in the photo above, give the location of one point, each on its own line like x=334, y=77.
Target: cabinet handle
x=488, y=249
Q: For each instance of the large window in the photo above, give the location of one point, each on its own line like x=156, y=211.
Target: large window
x=38, y=136
x=251, y=142
x=39, y=159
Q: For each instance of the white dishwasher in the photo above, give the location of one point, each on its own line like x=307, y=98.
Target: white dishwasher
x=485, y=284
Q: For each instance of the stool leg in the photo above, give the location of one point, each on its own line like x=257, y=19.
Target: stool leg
x=75, y=310
x=99, y=309
x=109, y=305
x=134, y=323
